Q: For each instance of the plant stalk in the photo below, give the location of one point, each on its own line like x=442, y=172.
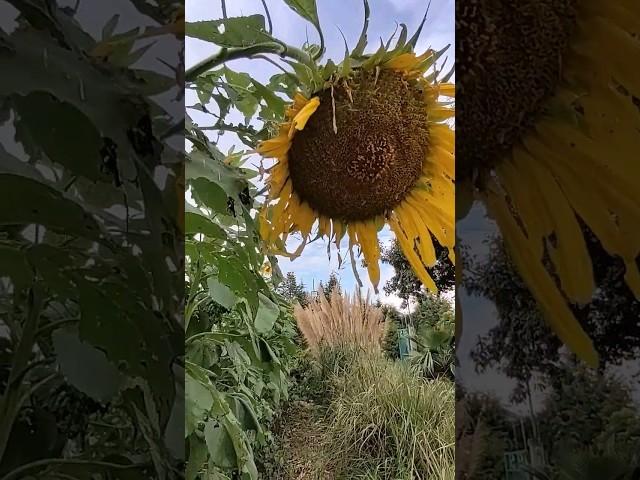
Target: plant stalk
x=13, y=396
x=227, y=54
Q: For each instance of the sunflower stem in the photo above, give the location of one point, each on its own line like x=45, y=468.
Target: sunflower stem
x=227, y=54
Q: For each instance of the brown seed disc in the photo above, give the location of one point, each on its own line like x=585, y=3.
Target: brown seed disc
x=508, y=63
x=371, y=162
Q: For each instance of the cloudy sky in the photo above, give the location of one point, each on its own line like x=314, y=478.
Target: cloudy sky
x=335, y=16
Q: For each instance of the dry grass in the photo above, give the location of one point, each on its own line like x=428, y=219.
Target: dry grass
x=343, y=321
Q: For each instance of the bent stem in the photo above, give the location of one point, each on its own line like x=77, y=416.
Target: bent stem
x=228, y=54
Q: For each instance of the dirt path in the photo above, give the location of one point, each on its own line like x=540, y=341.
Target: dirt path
x=300, y=434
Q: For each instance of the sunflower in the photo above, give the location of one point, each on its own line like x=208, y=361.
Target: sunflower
x=369, y=148
x=550, y=138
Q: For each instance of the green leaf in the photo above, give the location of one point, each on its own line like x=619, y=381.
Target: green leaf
x=220, y=445
x=27, y=198
x=239, y=81
x=244, y=412
x=86, y=367
x=246, y=462
x=196, y=223
x=285, y=83
x=198, y=454
x=231, y=32
x=235, y=274
x=13, y=264
x=209, y=194
x=82, y=155
x=275, y=103
x=152, y=83
x=221, y=293
x=110, y=26
x=307, y=9
x=362, y=41
x=329, y=69
x=199, y=401
x=201, y=165
x=267, y=315
x=305, y=75
x=414, y=39
x=248, y=106
x=114, y=319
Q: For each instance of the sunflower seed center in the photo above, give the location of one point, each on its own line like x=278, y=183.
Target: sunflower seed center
x=369, y=165
x=508, y=63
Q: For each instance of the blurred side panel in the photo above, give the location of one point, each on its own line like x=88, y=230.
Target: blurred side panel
x=548, y=135
x=91, y=239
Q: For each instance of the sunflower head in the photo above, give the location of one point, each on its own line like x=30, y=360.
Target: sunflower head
x=367, y=146
x=550, y=139
x=362, y=150
x=513, y=56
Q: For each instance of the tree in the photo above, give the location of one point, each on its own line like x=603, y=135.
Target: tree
x=395, y=320
x=332, y=284
x=588, y=410
x=432, y=310
x=293, y=291
x=404, y=282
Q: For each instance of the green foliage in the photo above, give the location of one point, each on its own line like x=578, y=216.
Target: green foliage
x=308, y=10
x=588, y=465
x=231, y=32
x=390, y=345
x=434, y=355
x=588, y=410
x=240, y=330
x=433, y=310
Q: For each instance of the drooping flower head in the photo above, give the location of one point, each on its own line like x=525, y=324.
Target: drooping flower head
x=550, y=130
x=369, y=147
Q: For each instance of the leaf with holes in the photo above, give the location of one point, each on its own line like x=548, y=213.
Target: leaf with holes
x=231, y=32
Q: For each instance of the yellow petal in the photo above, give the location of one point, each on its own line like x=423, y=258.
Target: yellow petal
x=368, y=238
x=299, y=101
x=274, y=148
x=407, y=248
x=542, y=287
x=302, y=117
x=406, y=62
x=447, y=89
x=439, y=113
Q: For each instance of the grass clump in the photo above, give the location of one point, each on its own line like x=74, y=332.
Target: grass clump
x=341, y=320
x=387, y=423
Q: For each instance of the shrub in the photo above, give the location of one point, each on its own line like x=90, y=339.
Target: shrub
x=387, y=423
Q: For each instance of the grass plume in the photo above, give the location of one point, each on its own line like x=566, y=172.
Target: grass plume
x=341, y=320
